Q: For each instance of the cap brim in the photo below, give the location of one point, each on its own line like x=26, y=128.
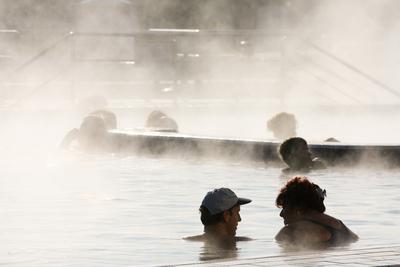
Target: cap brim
x=243, y=201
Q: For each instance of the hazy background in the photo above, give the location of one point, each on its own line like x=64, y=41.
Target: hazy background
x=332, y=63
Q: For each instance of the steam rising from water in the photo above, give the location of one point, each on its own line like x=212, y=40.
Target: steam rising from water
x=245, y=61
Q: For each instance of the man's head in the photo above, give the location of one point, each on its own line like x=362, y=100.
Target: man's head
x=294, y=152
x=220, y=211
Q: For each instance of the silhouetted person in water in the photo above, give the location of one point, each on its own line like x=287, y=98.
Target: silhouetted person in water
x=331, y=139
x=91, y=136
x=220, y=216
x=108, y=117
x=306, y=224
x=283, y=125
x=295, y=153
x=93, y=131
x=160, y=122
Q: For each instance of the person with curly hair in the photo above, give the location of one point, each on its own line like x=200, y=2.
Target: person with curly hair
x=306, y=223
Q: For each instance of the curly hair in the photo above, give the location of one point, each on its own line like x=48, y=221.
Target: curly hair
x=300, y=192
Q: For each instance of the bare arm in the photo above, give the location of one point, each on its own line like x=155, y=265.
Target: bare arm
x=69, y=138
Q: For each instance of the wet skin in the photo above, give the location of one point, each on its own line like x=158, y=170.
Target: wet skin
x=232, y=219
x=290, y=215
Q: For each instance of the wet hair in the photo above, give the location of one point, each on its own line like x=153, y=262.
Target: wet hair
x=208, y=219
x=154, y=118
x=290, y=145
x=301, y=193
x=168, y=124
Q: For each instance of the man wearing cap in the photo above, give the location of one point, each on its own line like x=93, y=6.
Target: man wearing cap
x=220, y=216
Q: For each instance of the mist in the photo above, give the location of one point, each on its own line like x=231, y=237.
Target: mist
x=220, y=68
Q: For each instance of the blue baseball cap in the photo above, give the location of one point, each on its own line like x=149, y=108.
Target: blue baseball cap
x=222, y=199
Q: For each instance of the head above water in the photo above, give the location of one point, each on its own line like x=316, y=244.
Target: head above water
x=159, y=121
x=300, y=193
x=283, y=125
x=154, y=117
x=220, y=211
x=167, y=124
x=222, y=199
x=295, y=153
x=108, y=117
x=92, y=131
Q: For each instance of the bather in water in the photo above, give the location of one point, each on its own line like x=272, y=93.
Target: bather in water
x=283, y=125
x=295, y=153
x=91, y=136
x=220, y=216
x=160, y=122
x=306, y=224
x=108, y=117
x=93, y=132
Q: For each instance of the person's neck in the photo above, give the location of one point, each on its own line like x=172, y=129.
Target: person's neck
x=216, y=230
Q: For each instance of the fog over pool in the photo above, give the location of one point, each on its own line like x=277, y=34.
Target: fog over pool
x=219, y=68
x=111, y=211
x=76, y=209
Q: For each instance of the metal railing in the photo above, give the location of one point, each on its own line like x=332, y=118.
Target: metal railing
x=174, y=33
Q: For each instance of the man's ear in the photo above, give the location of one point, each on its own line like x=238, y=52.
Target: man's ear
x=226, y=215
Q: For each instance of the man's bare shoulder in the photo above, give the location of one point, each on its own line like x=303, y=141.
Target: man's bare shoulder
x=303, y=231
x=195, y=238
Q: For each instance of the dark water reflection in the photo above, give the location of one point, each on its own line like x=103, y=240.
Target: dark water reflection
x=212, y=251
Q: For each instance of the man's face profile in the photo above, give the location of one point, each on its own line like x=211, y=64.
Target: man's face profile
x=232, y=218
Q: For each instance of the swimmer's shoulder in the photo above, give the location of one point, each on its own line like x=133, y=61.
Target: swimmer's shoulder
x=312, y=232
x=195, y=238
x=305, y=232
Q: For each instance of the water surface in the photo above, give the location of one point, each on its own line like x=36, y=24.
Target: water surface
x=105, y=210
x=75, y=209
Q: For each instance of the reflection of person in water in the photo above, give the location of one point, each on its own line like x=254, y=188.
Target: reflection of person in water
x=295, y=153
x=283, y=125
x=90, y=136
x=220, y=216
x=160, y=122
x=306, y=224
